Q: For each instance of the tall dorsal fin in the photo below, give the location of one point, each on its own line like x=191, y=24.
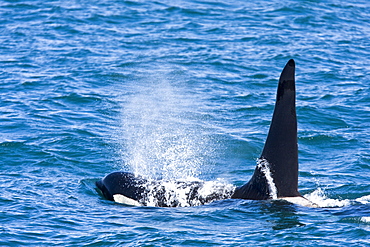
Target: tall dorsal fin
x=281, y=148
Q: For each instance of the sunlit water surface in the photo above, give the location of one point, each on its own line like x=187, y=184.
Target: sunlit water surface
x=180, y=90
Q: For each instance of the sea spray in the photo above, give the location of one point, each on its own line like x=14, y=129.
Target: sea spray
x=161, y=136
x=164, y=140
x=320, y=198
x=184, y=193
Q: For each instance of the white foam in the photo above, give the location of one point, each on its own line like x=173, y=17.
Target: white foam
x=318, y=197
x=365, y=219
x=300, y=201
x=185, y=193
x=364, y=199
x=216, y=187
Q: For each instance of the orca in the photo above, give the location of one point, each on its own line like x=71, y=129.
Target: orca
x=275, y=176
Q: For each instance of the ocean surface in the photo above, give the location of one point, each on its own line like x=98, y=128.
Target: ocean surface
x=180, y=90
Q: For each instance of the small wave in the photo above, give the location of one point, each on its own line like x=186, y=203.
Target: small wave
x=185, y=193
x=365, y=219
x=318, y=197
x=356, y=219
x=363, y=200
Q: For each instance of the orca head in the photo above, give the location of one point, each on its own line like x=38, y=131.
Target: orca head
x=122, y=183
x=100, y=185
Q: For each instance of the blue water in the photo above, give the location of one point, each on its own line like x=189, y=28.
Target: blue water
x=173, y=90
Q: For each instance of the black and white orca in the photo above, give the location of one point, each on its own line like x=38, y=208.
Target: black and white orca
x=275, y=176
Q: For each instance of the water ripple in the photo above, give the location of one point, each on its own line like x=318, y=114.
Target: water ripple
x=88, y=85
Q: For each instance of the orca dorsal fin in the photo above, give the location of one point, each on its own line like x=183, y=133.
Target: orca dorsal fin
x=281, y=148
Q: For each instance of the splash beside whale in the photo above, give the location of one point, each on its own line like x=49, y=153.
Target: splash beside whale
x=275, y=176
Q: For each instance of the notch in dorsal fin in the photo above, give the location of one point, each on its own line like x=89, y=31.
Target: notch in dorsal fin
x=281, y=147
